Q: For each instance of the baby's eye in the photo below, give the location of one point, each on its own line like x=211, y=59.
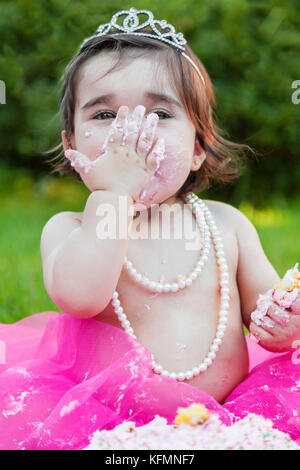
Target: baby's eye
x=101, y=113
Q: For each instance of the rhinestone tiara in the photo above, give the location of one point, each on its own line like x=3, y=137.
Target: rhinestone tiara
x=131, y=26
x=161, y=31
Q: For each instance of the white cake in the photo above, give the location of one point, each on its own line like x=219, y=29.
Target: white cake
x=251, y=432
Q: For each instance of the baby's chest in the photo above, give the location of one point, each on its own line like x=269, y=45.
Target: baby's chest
x=187, y=310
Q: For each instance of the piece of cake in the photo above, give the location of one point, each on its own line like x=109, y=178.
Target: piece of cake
x=196, y=429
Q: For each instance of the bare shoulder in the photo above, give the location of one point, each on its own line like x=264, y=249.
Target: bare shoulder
x=230, y=216
x=57, y=228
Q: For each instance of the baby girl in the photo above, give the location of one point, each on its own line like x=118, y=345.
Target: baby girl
x=139, y=133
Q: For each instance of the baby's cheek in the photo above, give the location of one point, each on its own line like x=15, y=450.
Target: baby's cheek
x=167, y=179
x=89, y=141
x=174, y=166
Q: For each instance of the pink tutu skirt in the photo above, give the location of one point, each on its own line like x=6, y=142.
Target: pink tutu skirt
x=62, y=378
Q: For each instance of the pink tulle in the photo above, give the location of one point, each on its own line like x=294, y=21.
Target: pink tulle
x=62, y=378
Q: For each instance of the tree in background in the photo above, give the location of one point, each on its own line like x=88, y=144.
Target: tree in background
x=250, y=49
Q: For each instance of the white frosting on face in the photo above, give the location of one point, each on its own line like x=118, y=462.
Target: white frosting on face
x=167, y=176
x=88, y=133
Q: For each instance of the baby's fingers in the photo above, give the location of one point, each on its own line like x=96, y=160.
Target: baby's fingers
x=260, y=333
x=279, y=314
x=156, y=155
x=146, y=138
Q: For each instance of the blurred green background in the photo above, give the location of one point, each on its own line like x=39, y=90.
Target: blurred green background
x=251, y=52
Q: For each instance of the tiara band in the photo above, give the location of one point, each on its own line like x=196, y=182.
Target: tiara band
x=131, y=25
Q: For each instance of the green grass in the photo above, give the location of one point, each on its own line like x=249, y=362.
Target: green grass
x=26, y=205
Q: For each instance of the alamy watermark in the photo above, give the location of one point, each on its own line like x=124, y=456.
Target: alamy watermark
x=2, y=92
x=120, y=223
x=296, y=94
x=296, y=354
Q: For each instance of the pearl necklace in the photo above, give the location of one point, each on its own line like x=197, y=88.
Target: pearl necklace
x=183, y=281
x=224, y=303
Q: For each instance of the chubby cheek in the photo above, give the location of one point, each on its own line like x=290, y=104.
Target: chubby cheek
x=89, y=140
x=169, y=177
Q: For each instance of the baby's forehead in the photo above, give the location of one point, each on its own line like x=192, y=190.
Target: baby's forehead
x=141, y=72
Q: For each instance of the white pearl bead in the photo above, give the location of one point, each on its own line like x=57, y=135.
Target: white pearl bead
x=207, y=361
x=224, y=290
x=174, y=287
x=181, y=376
x=173, y=375
x=189, y=374
x=223, y=313
x=158, y=368
x=224, y=305
x=119, y=310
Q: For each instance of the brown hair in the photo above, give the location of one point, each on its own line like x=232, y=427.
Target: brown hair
x=223, y=161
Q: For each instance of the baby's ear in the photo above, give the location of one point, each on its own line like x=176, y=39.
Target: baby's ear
x=67, y=143
x=198, y=157
x=198, y=149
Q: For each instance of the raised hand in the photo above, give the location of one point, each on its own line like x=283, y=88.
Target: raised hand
x=276, y=321
x=128, y=158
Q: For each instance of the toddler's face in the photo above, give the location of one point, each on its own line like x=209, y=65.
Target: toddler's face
x=135, y=84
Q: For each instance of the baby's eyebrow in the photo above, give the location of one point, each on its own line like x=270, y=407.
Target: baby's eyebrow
x=151, y=96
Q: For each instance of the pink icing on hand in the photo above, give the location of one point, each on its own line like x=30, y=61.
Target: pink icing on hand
x=283, y=294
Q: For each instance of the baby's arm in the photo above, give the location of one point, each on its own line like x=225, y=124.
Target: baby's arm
x=81, y=270
x=256, y=275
